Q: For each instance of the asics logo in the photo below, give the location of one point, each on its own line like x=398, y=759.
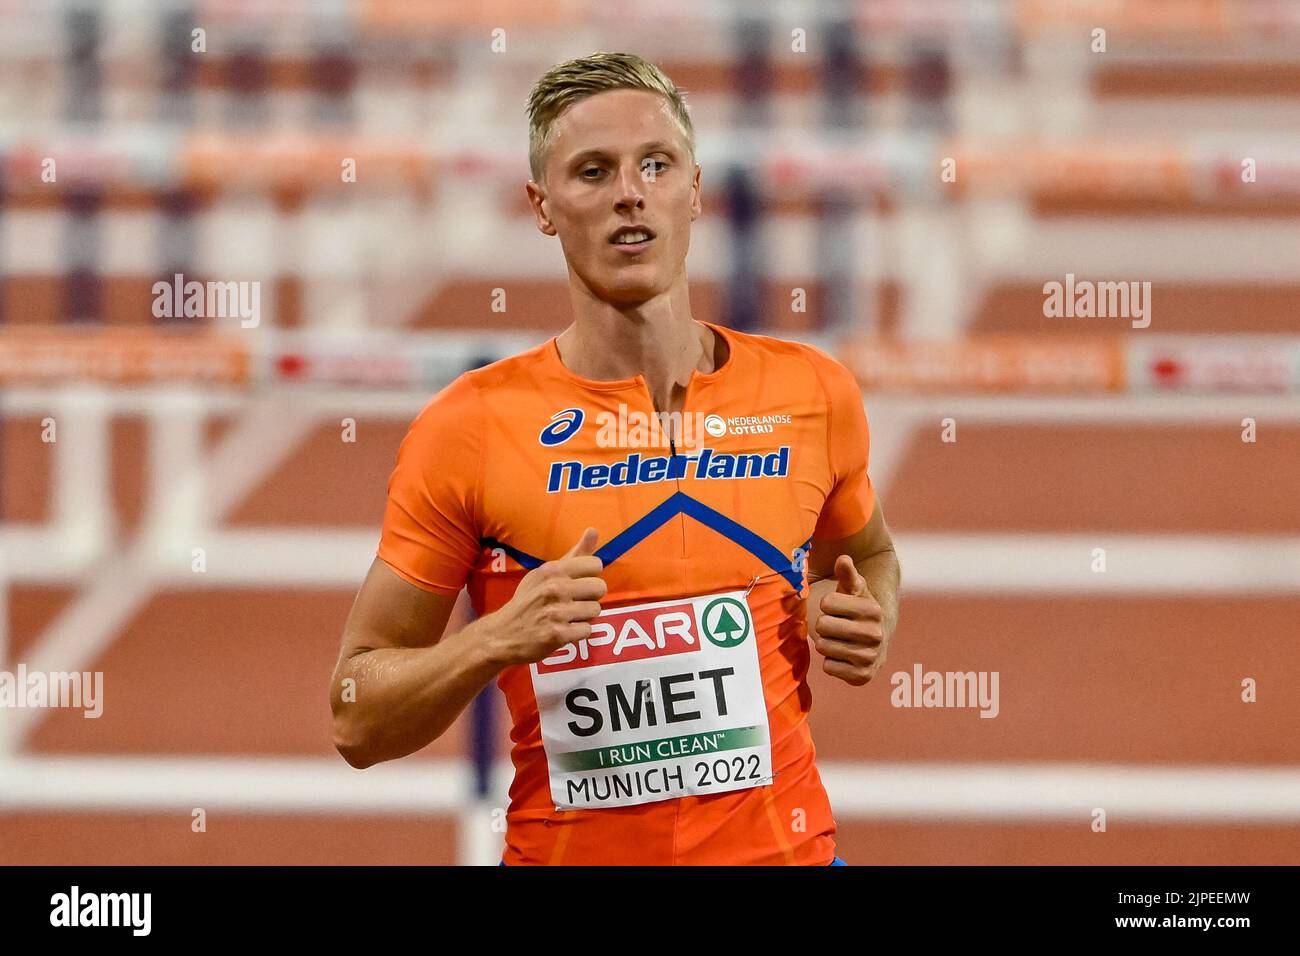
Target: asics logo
x=564, y=425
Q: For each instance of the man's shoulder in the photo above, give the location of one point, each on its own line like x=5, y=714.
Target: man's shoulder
x=474, y=384
x=491, y=395
x=486, y=382
x=512, y=371
x=804, y=361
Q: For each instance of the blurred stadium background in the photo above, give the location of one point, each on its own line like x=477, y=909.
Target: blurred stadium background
x=1169, y=158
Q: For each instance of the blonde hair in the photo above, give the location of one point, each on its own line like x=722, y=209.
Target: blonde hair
x=563, y=85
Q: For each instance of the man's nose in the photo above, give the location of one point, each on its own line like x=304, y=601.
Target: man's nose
x=630, y=195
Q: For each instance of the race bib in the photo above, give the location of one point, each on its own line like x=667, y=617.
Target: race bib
x=663, y=700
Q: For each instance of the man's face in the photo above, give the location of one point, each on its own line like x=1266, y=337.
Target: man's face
x=619, y=159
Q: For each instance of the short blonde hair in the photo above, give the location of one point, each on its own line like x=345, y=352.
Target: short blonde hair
x=563, y=85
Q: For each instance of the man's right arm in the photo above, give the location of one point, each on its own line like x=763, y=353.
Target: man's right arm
x=410, y=683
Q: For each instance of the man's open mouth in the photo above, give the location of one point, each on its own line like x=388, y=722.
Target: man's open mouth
x=631, y=236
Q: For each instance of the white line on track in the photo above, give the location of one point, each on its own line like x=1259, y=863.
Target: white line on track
x=946, y=791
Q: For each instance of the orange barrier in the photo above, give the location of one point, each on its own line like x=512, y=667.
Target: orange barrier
x=1003, y=364
x=997, y=364
x=120, y=357
x=1149, y=16
x=383, y=16
x=1148, y=171
x=218, y=162
x=1081, y=169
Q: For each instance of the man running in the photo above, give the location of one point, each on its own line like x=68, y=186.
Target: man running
x=636, y=507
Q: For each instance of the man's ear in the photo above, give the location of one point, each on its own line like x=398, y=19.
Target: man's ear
x=537, y=200
x=696, y=205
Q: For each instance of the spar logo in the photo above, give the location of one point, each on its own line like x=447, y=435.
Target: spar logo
x=726, y=622
x=630, y=634
x=564, y=425
x=652, y=631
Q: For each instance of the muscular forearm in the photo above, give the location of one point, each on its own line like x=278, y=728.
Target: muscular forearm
x=403, y=698
x=883, y=575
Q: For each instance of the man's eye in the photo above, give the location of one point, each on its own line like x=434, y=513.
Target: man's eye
x=589, y=171
x=654, y=166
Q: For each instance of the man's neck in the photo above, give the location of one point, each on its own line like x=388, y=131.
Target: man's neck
x=658, y=340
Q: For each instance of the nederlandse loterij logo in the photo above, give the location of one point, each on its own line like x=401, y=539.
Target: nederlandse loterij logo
x=754, y=424
x=715, y=426
x=564, y=425
x=726, y=622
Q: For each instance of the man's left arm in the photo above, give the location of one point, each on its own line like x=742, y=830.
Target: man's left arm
x=853, y=600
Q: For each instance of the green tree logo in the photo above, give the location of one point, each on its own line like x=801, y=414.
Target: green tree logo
x=726, y=622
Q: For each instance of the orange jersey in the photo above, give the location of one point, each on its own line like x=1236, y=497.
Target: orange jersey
x=677, y=732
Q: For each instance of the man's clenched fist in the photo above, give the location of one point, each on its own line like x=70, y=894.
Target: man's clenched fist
x=849, y=632
x=552, y=606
